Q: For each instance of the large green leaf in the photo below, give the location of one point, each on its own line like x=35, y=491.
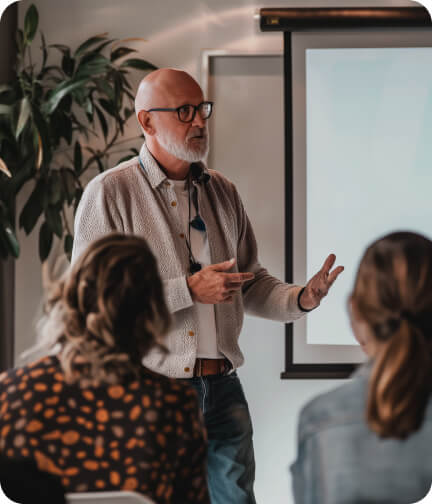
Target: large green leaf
x=45, y=241
x=118, y=89
x=45, y=136
x=44, y=50
x=62, y=48
x=78, y=195
x=102, y=121
x=126, y=83
x=60, y=92
x=88, y=43
x=22, y=174
x=93, y=65
x=68, y=64
x=54, y=220
x=108, y=106
x=80, y=127
x=101, y=167
x=20, y=42
x=68, y=179
x=60, y=126
x=78, y=157
x=55, y=187
x=120, y=52
x=89, y=109
x=127, y=112
x=130, y=95
x=103, y=45
x=66, y=130
x=24, y=115
x=140, y=64
x=104, y=87
x=47, y=73
x=33, y=208
x=39, y=155
x=31, y=22
x=38, y=92
x=80, y=95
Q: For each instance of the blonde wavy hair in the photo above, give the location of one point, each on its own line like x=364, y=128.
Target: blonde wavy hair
x=108, y=311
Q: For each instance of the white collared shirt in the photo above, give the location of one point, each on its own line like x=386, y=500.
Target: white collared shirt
x=206, y=332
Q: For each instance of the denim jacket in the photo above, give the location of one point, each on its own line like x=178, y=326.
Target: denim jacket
x=341, y=461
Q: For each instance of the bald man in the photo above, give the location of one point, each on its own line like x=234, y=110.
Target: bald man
x=195, y=223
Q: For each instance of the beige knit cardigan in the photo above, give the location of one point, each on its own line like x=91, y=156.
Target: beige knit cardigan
x=133, y=200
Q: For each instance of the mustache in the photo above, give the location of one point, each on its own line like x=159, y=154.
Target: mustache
x=197, y=132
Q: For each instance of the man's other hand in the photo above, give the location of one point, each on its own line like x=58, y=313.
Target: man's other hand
x=213, y=285
x=319, y=285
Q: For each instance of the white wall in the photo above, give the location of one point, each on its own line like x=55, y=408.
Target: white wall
x=177, y=31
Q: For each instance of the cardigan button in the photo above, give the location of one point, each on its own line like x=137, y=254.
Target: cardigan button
x=173, y=203
x=187, y=369
x=191, y=333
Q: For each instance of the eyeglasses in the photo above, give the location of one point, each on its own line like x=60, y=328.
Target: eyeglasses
x=186, y=113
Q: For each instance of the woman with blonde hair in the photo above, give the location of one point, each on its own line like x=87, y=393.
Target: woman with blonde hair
x=371, y=439
x=92, y=414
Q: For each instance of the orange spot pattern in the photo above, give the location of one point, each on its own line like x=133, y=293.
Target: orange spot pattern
x=116, y=392
x=34, y=426
x=116, y=437
x=70, y=437
x=102, y=415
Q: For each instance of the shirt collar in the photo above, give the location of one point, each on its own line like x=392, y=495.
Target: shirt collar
x=153, y=171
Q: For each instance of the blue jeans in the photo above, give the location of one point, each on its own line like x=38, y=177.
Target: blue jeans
x=231, y=463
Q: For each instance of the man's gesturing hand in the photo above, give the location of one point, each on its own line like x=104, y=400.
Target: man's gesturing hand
x=319, y=285
x=213, y=285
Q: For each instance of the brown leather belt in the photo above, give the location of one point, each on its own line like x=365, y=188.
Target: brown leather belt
x=207, y=367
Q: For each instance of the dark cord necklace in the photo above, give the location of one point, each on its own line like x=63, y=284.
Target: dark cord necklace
x=196, y=223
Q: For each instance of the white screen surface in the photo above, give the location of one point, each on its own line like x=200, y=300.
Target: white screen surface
x=368, y=162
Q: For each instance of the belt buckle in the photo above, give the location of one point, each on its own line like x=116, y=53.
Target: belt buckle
x=224, y=367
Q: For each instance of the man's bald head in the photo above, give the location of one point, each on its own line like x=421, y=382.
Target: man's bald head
x=166, y=88
x=166, y=134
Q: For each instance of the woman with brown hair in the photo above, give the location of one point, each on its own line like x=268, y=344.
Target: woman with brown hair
x=371, y=439
x=92, y=414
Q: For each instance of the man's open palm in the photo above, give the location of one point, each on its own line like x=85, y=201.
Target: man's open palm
x=319, y=285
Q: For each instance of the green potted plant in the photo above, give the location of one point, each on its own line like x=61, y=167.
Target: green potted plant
x=45, y=112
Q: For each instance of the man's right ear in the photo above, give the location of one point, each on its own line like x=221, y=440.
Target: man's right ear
x=144, y=119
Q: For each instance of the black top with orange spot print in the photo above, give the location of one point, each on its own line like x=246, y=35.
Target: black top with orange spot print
x=146, y=436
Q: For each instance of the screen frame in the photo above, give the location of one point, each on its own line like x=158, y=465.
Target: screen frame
x=314, y=20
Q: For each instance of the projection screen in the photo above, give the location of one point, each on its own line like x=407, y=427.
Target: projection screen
x=361, y=162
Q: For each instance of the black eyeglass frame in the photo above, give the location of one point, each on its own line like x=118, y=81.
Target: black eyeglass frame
x=195, y=109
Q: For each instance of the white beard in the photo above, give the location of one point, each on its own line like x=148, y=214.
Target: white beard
x=182, y=150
